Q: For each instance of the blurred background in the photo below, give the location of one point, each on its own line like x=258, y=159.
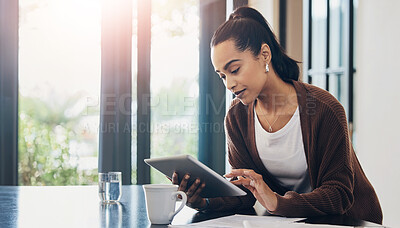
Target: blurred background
x=94, y=85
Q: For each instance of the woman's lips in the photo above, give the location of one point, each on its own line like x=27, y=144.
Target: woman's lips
x=239, y=93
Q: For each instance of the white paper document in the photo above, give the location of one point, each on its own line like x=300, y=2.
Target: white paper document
x=240, y=221
x=253, y=221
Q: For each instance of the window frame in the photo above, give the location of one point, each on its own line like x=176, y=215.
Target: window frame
x=347, y=70
x=9, y=20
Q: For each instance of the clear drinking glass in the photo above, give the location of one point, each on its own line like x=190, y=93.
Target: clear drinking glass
x=111, y=215
x=110, y=186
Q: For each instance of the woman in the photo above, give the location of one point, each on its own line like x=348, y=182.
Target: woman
x=288, y=142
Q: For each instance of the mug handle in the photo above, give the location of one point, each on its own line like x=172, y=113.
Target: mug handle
x=183, y=203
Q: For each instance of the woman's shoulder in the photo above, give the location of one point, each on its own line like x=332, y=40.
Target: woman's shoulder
x=313, y=90
x=320, y=99
x=237, y=111
x=238, y=119
x=237, y=108
x=235, y=103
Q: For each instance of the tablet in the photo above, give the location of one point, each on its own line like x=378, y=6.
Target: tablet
x=216, y=185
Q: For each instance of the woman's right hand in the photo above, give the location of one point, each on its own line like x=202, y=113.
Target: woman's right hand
x=194, y=200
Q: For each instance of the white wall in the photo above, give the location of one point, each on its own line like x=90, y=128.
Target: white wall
x=294, y=31
x=294, y=20
x=270, y=10
x=377, y=101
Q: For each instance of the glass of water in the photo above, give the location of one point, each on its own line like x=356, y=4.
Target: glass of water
x=110, y=186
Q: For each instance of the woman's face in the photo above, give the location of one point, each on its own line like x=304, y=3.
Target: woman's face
x=242, y=73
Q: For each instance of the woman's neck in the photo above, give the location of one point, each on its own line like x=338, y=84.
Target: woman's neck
x=276, y=95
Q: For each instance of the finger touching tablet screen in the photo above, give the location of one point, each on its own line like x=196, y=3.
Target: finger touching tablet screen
x=216, y=185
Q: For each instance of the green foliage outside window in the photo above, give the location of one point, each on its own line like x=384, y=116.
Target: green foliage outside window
x=45, y=139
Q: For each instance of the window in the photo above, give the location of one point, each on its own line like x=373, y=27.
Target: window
x=174, y=79
x=67, y=47
x=177, y=83
x=329, y=49
x=59, y=84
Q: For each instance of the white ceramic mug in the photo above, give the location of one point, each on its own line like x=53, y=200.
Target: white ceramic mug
x=160, y=202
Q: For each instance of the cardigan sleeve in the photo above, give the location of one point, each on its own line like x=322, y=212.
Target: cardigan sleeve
x=333, y=193
x=238, y=158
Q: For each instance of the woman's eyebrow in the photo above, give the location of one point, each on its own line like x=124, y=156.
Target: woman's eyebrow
x=228, y=64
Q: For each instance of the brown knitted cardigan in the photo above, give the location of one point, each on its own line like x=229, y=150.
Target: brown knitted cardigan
x=336, y=177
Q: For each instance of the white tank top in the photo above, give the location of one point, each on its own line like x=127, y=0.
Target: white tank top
x=282, y=154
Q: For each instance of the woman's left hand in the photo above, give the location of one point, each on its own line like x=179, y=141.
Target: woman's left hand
x=194, y=200
x=255, y=183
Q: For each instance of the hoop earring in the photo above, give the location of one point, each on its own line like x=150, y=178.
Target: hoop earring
x=267, y=68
